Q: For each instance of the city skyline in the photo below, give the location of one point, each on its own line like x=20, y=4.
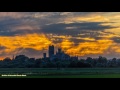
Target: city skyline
x=83, y=34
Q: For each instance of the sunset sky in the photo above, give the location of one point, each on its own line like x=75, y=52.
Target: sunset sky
x=77, y=33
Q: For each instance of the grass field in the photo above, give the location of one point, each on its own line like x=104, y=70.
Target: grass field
x=61, y=73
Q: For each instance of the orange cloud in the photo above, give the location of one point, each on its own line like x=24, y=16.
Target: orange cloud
x=86, y=48
x=86, y=38
x=116, y=47
x=66, y=44
x=34, y=41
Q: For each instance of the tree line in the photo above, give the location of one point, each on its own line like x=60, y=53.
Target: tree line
x=22, y=61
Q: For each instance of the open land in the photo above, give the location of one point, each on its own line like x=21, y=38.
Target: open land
x=60, y=73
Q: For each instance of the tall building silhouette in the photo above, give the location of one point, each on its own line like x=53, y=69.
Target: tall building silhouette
x=51, y=51
x=44, y=55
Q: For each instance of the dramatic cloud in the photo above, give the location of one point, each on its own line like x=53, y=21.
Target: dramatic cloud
x=74, y=28
x=77, y=33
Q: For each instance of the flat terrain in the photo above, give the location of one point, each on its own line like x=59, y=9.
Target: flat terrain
x=60, y=73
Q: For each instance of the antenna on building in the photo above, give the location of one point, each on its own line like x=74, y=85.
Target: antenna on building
x=13, y=57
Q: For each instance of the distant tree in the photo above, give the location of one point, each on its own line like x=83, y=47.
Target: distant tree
x=38, y=63
x=82, y=60
x=89, y=59
x=58, y=64
x=83, y=65
x=73, y=64
x=65, y=63
x=51, y=65
x=7, y=59
x=114, y=60
x=99, y=65
x=21, y=58
x=102, y=60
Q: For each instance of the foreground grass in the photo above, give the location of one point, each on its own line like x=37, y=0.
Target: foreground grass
x=72, y=76
x=62, y=73
x=81, y=76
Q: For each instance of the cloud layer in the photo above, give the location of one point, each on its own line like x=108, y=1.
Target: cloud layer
x=77, y=33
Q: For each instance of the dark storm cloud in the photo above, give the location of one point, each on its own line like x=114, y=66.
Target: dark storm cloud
x=5, y=26
x=40, y=19
x=77, y=41
x=61, y=28
x=116, y=39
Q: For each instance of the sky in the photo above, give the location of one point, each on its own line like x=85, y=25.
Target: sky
x=80, y=34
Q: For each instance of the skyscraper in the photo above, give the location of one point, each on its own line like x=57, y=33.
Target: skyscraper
x=51, y=51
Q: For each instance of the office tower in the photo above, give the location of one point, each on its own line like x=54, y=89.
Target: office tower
x=51, y=51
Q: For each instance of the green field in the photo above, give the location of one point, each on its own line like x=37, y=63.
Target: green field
x=61, y=73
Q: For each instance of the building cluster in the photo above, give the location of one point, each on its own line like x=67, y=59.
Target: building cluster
x=58, y=55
